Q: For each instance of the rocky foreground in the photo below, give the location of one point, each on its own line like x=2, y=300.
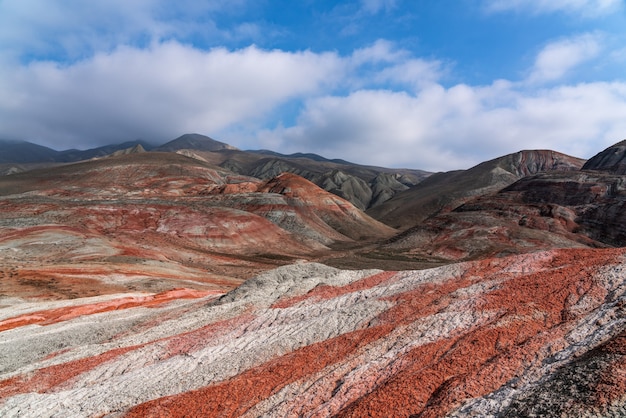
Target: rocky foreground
x=526, y=335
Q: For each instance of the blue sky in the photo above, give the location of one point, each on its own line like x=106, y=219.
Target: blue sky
x=430, y=84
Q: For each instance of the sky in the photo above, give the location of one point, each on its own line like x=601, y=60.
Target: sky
x=426, y=84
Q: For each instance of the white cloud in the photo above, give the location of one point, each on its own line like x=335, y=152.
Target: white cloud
x=458, y=127
x=383, y=63
x=168, y=89
x=156, y=93
x=557, y=58
x=380, y=51
x=586, y=8
x=72, y=29
x=415, y=73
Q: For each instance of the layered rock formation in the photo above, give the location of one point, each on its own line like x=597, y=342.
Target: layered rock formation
x=442, y=192
x=123, y=291
x=526, y=335
x=363, y=186
x=549, y=210
x=611, y=160
x=156, y=221
x=561, y=208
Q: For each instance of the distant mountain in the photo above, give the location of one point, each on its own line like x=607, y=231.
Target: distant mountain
x=443, y=192
x=132, y=150
x=21, y=152
x=25, y=152
x=195, y=142
x=307, y=155
x=73, y=155
x=363, y=186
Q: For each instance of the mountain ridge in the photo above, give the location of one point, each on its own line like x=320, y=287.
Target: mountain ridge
x=445, y=191
x=354, y=182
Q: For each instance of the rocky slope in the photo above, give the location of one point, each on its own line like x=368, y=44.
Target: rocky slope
x=527, y=335
x=548, y=210
x=157, y=221
x=611, y=160
x=363, y=186
x=554, y=209
x=442, y=192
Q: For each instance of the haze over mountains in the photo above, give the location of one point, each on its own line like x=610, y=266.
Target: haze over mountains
x=195, y=279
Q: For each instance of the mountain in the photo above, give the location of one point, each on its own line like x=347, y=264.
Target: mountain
x=19, y=152
x=195, y=142
x=81, y=155
x=363, y=186
x=130, y=150
x=25, y=152
x=611, y=160
x=138, y=214
x=552, y=209
x=171, y=284
x=443, y=192
x=307, y=155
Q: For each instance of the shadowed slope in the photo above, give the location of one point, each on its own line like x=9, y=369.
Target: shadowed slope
x=443, y=192
x=549, y=210
x=611, y=160
x=553, y=209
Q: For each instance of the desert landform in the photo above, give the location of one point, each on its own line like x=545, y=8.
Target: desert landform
x=197, y=279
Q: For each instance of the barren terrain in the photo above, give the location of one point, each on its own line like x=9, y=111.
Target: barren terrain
x=161, y=284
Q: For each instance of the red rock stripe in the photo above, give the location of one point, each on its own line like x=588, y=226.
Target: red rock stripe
x=45, y=379
x=442, y=375
x=232, y=398
x=64, y=314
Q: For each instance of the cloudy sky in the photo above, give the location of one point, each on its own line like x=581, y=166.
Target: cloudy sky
x=429, y=84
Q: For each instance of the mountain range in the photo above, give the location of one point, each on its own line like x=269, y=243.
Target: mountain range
x=196, y=279
x=363, y=186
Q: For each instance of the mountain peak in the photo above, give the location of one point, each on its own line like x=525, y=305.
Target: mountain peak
x=612, y=159
x=196, y=142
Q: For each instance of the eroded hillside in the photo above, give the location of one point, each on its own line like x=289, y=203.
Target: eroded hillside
x=157, y=221
x=512, y=336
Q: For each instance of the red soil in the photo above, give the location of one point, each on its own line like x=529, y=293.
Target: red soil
x=44, y=380
x=64, y=314
x=450, y=372
x=233, y=397
x=531, y=314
